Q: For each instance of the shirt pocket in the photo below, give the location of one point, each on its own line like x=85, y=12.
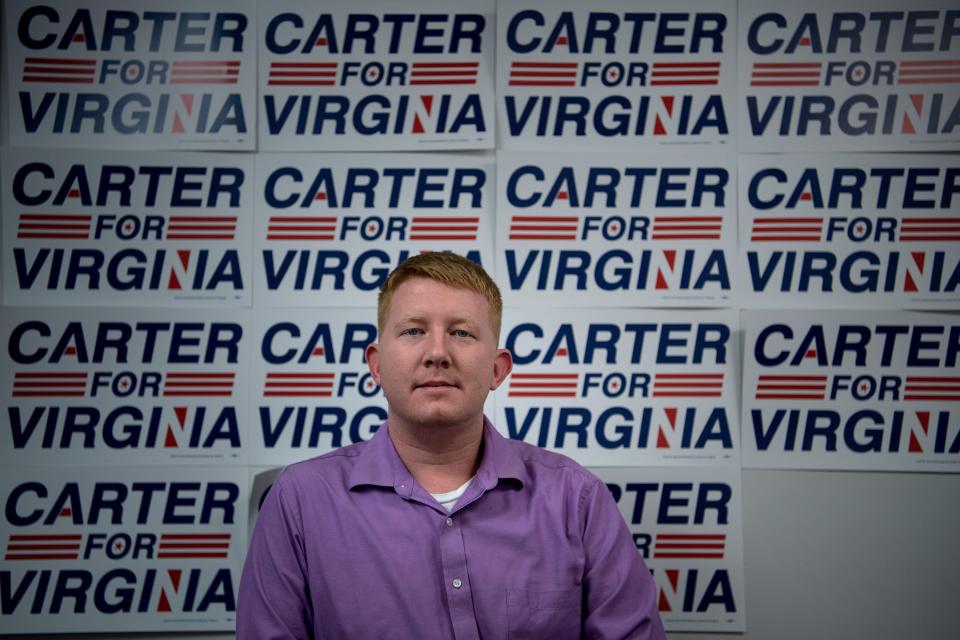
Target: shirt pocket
x=534, y=614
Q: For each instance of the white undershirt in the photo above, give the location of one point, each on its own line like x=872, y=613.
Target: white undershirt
x=448, y=499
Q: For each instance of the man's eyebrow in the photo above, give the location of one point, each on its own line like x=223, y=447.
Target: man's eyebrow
x=421, y=320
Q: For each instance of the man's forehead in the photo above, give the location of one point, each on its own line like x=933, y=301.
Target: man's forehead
x=405, y=304
x=424, y=282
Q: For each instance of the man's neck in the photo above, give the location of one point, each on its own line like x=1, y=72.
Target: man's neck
x=441, y=459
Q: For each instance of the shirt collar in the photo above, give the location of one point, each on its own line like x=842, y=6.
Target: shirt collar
x=378, y=464
x=501, y=459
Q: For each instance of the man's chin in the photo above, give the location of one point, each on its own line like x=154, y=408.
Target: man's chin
x=440, y=418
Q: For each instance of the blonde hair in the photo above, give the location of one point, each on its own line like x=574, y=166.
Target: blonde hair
x=446, y=268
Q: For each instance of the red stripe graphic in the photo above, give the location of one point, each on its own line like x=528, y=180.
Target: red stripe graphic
x=929, y=72
x=787, y=229
x=708, y=546
x=202, y=228
x=204, y=72
x=65, y=70
x=63, y=61
x=51, y=79
x=543, y=227
x=207, y=64
x=688, y=385
x=43, y=547
x=178, y=545
x=542, y=74
x=939, y=388
x=543, y=385
x=302, y=74
x=440, y=73
x=184, y=384
x=685, y=73
x=53, y=384
x=292, y=384
x=443, y=228
x=786, y=74
x=920, y=229
x=54, y=226
x=301, y=228
x=791, y=387
x=686, y=228
x=59, y=70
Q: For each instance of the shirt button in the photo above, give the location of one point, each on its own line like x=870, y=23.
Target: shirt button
x=457, y=583
x=449, y=522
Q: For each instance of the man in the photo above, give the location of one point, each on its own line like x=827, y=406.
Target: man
x=438, y=527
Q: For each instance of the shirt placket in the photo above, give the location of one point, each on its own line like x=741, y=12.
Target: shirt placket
x=456, y=582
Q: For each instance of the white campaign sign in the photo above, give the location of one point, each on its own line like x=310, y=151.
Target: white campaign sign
x=616, y=229
x=864, y=390
x=615, y=75
x=330, y=227
x=853, y=231
x=849, y=76
x=688, y=526
x=312, y=390
x=637, y=387
x=384, y=75
x=127, y=228
x=123, y=387
x=124, y=548
x=171, y=74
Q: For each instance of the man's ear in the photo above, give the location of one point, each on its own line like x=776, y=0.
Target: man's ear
x=502, y=366
x=372, y=354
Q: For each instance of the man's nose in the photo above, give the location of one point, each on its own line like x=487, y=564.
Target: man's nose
x=438, y=352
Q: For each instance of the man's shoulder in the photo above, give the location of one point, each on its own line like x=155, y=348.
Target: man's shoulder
x=543, y=464
x=332, y=467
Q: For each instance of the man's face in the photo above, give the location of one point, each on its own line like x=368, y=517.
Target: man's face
x=437, y=358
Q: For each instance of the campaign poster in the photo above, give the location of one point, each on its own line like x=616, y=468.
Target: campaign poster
x=849, y=76
x=830, y=230
x=404, y=76
x=616, y=75
x=616, y=229
x=94, y=549
x=628, y=387
x=688, y=526
x=331, y=227
x=84, y=386
x=313, y=392
x=857, y=390
x=127, y=228
x=170, y=75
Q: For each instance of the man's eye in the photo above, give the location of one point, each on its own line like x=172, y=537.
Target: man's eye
x=411, y=332
x=461, y=333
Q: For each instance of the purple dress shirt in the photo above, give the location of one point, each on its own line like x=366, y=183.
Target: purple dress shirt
x=348, y=545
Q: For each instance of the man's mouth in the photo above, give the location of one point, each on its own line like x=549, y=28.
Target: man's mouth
x=431, y=384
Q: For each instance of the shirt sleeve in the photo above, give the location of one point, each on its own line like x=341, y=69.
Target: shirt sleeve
x=273, y=601
x=619, y=595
